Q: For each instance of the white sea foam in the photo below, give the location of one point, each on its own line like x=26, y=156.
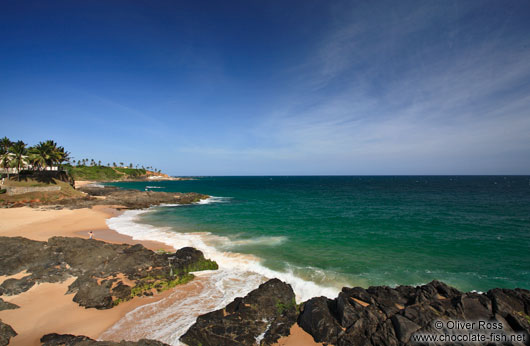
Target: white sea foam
x=238, y=274
x=262, y=241
x=101, y=186
x=214, y=199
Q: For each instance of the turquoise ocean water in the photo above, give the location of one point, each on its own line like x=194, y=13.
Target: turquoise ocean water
x=470, y=232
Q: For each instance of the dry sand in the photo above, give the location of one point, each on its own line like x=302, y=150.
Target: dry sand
x=79, y=183
x=41, y=224
x=298, y=337
x=46, y=308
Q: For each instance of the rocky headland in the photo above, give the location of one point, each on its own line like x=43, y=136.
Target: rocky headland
x=375, y=316
x=110, y=195
x=131, y=199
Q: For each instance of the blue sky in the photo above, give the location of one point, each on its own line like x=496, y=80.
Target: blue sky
x=273, y=87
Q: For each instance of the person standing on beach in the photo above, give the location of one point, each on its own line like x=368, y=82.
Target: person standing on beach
x=90, y=235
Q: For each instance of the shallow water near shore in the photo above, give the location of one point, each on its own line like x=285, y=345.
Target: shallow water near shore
x=322, y=233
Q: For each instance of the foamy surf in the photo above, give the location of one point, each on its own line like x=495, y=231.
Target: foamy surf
x=214, y=199
x=261, y=241
x=238, y=274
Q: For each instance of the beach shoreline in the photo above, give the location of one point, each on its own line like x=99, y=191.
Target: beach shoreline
x=41, y=305
x=46, y=308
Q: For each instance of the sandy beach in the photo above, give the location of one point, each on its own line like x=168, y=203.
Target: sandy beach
x=45, y=308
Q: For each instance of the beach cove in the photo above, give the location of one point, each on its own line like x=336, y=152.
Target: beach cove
x=41, y=305
x=178, y=315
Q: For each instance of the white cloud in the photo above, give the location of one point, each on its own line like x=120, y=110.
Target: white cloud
x=455, y=107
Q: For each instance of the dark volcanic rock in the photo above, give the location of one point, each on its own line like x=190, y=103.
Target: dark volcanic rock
x=391, y=316
x=73, y=340
x=132, y=199
x=263, y=316
x=6, y=333
x=142, y=199
x=98, y=190
x=106, y=273
x=7, y=306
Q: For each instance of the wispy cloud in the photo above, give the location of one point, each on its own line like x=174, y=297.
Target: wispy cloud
x=385, y=94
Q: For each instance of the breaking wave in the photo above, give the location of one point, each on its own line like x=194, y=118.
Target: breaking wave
x=238, y=274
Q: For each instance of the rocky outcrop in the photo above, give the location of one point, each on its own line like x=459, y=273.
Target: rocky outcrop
x=107, y=274
x=6, y=333
x=392, y=316
x=262, y=317
x=73, y=340
x=7, y=305
x=107, y=195
x=132, y=199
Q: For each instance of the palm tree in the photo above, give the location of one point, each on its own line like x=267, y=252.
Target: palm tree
x=39, y=155
x=5, y=144
x=60, y=155
x=114, y=164
x=5, y=155
x=48, y=154
x=19, y=151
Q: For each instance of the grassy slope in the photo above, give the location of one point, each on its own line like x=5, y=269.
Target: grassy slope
x=67, y=191
x=102, y=173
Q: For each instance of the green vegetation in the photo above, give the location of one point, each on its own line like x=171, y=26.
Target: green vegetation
x=205, y=264
x=37, y=158
x=104, y=173
x=16, y=157
x=99, y=173
x=526, y=317
x=162, y=283
x=159, y=283
x=66, y=191
x=282, y=308
x=133, y=172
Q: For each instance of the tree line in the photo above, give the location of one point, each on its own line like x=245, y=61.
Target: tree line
x=40, y=156
x=94, y=163
x=43, y=155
